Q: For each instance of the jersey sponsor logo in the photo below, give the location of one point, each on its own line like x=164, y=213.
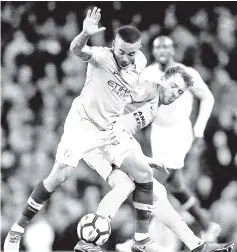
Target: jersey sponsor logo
x=140, y=120
x=119, y=89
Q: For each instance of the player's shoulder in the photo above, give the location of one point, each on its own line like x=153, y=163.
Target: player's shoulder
x=101, y=49
x=197, y=78
x=150, y=72
x=140, y=61
x=101, y=56
x=151, y=67
x=188, y=69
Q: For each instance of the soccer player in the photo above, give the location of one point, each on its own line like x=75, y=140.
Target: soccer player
x=172, y=133
x=112, y=76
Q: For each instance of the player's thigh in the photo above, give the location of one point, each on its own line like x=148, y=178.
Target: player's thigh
x=99, y=161
x=137, y=167
x=129, y=156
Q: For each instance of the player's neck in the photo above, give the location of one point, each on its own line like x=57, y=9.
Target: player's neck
x=164, y=67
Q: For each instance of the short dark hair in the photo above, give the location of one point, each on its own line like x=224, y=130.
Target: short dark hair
x=188, y=79
x=129, y=34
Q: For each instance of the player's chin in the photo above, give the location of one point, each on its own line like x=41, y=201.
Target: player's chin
x=168, y=101
x=124, y=65
x=162, y=60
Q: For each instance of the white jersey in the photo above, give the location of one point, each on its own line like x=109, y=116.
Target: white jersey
x=108, y=88
x=178, y=110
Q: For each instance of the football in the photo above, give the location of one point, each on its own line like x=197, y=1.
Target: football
x=94, y=228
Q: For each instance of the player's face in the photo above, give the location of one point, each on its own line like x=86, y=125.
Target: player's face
x=163, y=50
x=125, y=52
x=172, y=88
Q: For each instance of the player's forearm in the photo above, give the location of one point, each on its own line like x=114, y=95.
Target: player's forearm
x=78, y=45
x=140, y=118
x=204, y=114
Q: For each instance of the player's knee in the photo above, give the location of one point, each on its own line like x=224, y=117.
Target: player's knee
x=144, y=175
x=60, y=173
x=159, y=192
x=118, y=178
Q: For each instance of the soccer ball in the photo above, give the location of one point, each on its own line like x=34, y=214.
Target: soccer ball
x=94, y=228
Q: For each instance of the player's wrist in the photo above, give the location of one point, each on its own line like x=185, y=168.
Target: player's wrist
x=86, y=34
x=198, y=134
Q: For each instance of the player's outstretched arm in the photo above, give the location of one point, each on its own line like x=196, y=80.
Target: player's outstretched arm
x=156, y=165
x=203, y=93
x=90, y=27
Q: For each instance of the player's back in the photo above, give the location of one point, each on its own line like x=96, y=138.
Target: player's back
x=179, y=110
x=108, y=87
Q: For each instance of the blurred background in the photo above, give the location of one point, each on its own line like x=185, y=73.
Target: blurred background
x=40, y=77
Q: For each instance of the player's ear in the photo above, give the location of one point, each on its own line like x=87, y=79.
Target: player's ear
x=113, y=44
x=153, y=51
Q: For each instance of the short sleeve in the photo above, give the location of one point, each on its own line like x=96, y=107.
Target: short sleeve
x=146, y=75
x=98, y=57
x=150, y=73
x=198, y=81
x=141, y=62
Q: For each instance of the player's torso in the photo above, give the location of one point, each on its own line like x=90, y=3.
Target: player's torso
x=107, y=89
x=176, y=111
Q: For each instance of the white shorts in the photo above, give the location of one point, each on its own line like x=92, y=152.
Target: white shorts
x=170, y=144
x=81, y=136
x=101, y=159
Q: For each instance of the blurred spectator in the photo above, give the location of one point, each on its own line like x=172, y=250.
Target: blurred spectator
x=31, y=236
x=228, y=205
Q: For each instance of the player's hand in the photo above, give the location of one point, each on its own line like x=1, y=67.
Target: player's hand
x=157, y=165
x=90, y=24
x=112, y=138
